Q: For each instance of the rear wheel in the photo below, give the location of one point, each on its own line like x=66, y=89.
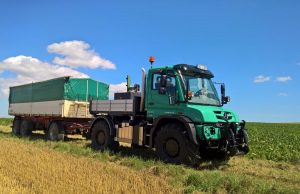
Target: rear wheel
x=101, y=138
x=26, y=128
x=55, y=132
x=173, y=145
x=16, y=126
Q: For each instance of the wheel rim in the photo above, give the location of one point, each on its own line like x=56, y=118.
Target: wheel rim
x=171, y=147
x=101, y=138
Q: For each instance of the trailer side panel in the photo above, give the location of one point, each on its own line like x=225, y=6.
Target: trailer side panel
x=58, y=108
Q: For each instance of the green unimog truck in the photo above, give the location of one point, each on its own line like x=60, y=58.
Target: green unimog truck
x=178, y=113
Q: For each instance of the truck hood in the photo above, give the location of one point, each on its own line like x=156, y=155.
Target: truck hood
x=209, y=114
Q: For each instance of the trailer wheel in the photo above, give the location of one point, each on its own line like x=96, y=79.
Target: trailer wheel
x=26, y=128
x=173, y=145
x=16, y=126
x=55, y=132
x=101, y=138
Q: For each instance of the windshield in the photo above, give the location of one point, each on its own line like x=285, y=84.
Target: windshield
x=203, y=90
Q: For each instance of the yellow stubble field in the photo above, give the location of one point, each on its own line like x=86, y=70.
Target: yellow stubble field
x=25, y=168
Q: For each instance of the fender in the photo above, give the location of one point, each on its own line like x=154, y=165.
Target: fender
x=188, y=123
x=107, y=119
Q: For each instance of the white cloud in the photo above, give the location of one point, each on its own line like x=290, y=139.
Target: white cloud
x=282, y=94
x=78, y=54
x=29, y=69
x=113, y=88
x=283, y=78
x=261, y=79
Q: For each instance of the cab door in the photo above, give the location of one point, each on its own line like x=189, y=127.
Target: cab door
x=161, y=103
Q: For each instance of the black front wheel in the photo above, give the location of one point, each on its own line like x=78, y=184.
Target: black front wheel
x=173, y=145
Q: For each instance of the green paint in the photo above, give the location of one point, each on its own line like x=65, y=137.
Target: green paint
x=63, y=88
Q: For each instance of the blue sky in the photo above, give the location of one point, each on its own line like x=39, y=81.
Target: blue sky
x=240, y=41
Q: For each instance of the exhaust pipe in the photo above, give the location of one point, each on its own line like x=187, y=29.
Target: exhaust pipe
x=142, y=105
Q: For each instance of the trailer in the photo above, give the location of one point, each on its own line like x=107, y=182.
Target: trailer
x=58, y=106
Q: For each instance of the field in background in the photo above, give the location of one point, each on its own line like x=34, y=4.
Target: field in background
x=32, y=164
x=275, y=141
x=5, y=121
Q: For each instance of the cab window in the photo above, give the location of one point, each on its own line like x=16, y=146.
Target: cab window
x=156, y=81
x=171, y=83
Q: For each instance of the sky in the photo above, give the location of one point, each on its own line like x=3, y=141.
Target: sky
x=251, y=46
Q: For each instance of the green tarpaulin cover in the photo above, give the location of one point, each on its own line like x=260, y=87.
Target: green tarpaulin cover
x=64, y=88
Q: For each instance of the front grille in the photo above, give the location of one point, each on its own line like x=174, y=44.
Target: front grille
x=220, y=115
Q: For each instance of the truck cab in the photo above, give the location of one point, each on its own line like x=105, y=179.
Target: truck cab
x=186, y=93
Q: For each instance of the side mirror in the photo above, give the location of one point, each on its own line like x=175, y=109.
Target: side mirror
x=225, y=99
x=223, y=90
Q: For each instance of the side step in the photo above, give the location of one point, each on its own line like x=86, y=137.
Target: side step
x=147, y=130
